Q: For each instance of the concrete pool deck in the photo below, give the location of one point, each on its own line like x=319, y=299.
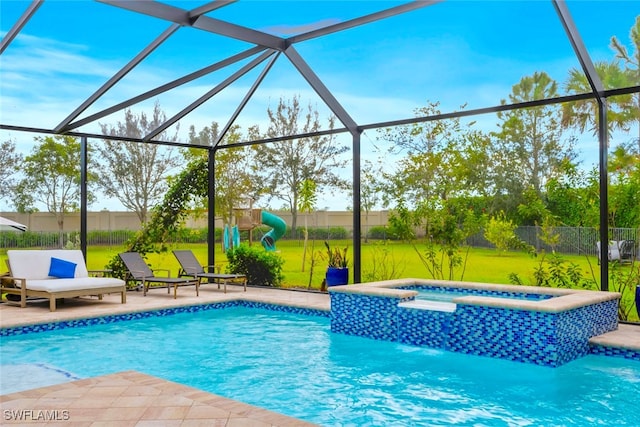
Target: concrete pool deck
x=136, y=399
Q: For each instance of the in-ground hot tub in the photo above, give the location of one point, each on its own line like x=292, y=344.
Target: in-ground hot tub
x=545, y=326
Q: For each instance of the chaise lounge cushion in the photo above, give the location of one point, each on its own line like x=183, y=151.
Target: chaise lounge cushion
x=62, y=285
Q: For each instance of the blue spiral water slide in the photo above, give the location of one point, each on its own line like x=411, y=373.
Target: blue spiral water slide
x=278, y=228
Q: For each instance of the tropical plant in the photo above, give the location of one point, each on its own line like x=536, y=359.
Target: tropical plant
x=336, y=257
x=625, y=281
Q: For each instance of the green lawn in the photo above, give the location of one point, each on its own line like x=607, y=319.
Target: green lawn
x=482, y=265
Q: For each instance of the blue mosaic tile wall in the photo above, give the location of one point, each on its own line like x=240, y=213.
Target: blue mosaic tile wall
x=625, y=353
x=575, y=327
x=549, y=339
x=424, y=327
x=29, y=329
x=371, y=317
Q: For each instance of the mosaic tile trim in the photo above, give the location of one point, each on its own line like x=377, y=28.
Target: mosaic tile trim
x=75, y=323
x=601, y=350
x=477, y=292
x=543, y=338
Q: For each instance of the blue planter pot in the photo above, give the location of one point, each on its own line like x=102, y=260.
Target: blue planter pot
x=337, y=276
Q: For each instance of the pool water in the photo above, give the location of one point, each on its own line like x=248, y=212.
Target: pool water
x=294, y=365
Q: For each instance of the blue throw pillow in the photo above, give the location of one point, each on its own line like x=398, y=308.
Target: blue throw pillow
x=62, y=269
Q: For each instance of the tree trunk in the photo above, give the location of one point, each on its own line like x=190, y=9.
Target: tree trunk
x=60, y=232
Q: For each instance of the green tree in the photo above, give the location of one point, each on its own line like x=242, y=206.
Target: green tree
x=501, y=232
x=9, y=160
x=624, y=187
x=52, y=178
x=437, y=170
x=285, y=165
x=630, y=104
x=369, y=191
x=441, y=161
x=232, y=173
x=573, y=198
x=623, y=109
x=529, y=148
x=306, y=204
x=136, y=173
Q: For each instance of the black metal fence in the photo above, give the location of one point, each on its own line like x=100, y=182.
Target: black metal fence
x=573, y=240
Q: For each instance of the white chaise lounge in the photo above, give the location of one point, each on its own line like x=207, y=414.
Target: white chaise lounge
x=54, y=274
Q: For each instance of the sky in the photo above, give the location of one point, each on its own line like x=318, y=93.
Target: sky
x=453, y=52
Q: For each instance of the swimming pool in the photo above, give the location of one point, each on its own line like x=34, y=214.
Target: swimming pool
x=294, y=365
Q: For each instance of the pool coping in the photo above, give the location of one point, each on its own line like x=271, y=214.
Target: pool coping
x=562, y=299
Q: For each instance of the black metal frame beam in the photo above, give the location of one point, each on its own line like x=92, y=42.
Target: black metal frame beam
x=321, y=89
x=367, y=19
x=62, y=127
x=204, y=98
x=598, y=90
x=168, y=86
x=21, y=22
x=246, y=99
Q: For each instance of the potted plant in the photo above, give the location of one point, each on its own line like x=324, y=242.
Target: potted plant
x=338, y=266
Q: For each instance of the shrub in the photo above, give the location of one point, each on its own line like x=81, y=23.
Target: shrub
x=380, y=232
x=384, y=266
x=262, y=268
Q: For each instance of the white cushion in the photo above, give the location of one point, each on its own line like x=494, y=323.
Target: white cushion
x=60, y=285
x=34, y=264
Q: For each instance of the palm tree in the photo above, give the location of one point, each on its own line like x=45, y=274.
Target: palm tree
x=584, y=113
x=624, y=109
x=632, y=66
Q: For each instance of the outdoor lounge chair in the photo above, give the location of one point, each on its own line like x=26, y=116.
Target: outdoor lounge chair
x=623, y=251
x=191, y=267
x=139, y=271
x=54, y=274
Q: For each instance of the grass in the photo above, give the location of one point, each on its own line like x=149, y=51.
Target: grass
x=482, y=265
